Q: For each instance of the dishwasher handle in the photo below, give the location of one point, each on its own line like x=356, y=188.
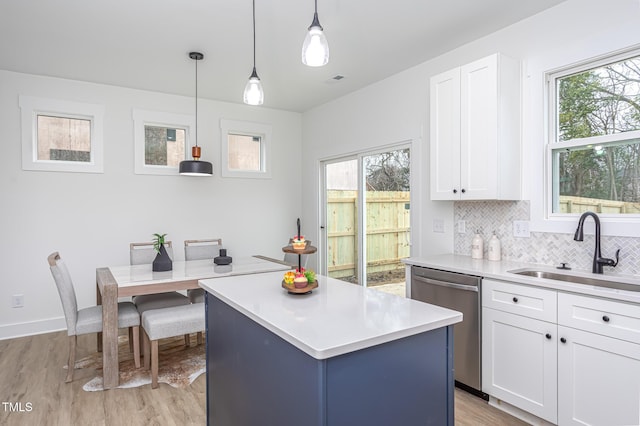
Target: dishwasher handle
x=445, y=284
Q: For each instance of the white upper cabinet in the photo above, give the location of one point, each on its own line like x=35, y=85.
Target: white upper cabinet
x=475, y=131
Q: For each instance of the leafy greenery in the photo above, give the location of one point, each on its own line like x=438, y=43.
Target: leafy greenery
x=158, y=240
x=600, y=101
x=310, y=275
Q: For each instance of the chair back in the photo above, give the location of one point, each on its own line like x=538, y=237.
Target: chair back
x=144, y=253
x=65, y=288
x=202, y=249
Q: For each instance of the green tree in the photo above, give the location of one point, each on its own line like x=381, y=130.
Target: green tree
x=596, y=102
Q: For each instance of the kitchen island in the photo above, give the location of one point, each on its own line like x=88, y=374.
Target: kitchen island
x=341, y=355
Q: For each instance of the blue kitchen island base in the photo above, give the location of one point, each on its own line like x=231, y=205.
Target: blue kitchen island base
x=255, y=377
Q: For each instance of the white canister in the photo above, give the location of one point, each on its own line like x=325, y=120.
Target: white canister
x=477, y=247
x=494, y=248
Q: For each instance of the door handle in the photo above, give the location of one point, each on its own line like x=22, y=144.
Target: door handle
x=445, y=284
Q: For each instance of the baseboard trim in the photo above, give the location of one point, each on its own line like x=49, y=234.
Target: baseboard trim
x=518, y=413
x=13, y=331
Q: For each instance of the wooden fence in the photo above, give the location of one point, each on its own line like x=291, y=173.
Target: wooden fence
x=387, y=224
x=580, y=205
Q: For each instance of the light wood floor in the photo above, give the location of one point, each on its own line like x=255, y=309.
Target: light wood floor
x=31, y=374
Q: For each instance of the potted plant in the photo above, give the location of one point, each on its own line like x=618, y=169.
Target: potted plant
x=162, y=262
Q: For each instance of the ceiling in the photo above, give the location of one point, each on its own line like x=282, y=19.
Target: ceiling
x=144, y=44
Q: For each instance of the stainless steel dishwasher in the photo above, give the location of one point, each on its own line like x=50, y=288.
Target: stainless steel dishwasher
x=461, y=293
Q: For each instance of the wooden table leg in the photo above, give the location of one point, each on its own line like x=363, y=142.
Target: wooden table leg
x=109, y=291
x=98, y=302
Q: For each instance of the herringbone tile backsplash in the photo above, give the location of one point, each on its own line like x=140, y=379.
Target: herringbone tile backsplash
x=541, y=247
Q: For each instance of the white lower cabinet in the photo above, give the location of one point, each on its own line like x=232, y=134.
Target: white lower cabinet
x=519, y=362
x=598, y=361
x=598, y=380
x=582, y=368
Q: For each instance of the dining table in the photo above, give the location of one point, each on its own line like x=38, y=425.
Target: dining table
x=114, y=282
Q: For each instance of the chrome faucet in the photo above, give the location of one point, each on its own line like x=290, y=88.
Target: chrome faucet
x=598, y=260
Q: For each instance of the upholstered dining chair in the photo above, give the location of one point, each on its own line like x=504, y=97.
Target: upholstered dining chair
x=200, y=250
x=89, y=320
x=144, y=253
x=168, y=322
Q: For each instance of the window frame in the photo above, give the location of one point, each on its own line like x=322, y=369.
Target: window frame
x=553, y=143
x=31, y=107
x=245, y=128
x=143, y=118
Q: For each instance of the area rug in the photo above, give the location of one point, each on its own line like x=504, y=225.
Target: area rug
x=178, y=365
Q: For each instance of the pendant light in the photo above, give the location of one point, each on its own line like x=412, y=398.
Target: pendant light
x=196, y=167
x=253, y=94
x=315, y=49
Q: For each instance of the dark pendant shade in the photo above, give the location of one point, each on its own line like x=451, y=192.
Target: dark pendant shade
x=196, y=168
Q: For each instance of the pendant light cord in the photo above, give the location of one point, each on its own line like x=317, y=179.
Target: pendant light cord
x=254, y=35
x=196, y=102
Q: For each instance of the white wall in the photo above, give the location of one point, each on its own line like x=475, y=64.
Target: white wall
x=91, y=218
x=397, y=108
x=389, y=112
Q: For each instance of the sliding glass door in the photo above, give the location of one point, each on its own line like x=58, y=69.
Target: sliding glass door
x=341, y=197
x=366, y=218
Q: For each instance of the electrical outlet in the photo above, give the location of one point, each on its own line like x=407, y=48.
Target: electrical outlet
x=462, y=227
x=17, y=300
x=521, y=229
x=438, y=225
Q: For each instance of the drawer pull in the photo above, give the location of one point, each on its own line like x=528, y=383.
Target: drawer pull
x=605, y=318
x=563, y=340
x=515, y=300
x=548, y=336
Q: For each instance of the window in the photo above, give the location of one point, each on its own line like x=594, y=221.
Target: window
x=244, y=152
x=61, y=136
x=161, y=141
x=245, y=149
x=594, y=149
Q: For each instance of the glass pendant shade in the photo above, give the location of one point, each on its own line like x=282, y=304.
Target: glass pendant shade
x=253, y=93
x=315, y=49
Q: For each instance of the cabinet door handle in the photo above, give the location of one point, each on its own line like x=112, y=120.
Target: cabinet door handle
x=563, y=340
x=548, y=336
x=464, y=190
x=605, y=318
x=455, y=191
x=515, y=300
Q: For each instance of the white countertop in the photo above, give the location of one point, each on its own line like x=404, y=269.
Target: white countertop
x=335, y=319
x=500, y=270
x=135, y=275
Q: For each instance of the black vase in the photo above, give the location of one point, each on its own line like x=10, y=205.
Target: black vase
x=223, y=259
x=162, y=262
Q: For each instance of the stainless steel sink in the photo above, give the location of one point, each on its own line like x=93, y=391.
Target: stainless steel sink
x=575, y=279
